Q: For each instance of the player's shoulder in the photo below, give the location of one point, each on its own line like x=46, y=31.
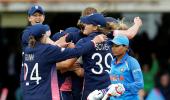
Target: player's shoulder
x=25, y=32
x=132, y=59
x=133, y=62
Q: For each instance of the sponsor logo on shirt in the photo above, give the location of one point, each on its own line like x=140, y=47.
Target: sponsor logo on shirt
x=117, y=78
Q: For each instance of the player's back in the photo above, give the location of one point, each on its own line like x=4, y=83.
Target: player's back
x=38, y=73
x=97, y=65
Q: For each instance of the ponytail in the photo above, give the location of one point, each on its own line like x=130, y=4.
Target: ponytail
x=32, y=41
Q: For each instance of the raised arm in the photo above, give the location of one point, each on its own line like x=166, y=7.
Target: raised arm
x=132, y=31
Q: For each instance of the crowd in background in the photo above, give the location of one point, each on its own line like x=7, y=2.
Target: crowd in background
x=153, y=56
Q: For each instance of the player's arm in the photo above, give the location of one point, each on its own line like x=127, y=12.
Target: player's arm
x=78, y=70
x=57, y=54
x=132, y=31
x=137, y=76
x=69, y=65
x=64, y=66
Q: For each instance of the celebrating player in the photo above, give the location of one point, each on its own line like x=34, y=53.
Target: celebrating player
x=36, y=15
x=96, y=64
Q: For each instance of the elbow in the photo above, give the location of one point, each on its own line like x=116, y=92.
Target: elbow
x=141, y=85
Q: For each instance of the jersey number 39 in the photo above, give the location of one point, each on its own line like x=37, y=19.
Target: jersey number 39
x=99, y=62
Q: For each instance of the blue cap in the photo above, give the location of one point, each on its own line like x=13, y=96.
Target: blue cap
x=38, y=30
x=111, y=19
x=120, y=40
x=95, y=19
x=35, y=8
x=72, y=30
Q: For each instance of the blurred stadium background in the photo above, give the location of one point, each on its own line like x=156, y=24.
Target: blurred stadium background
x=151, y=44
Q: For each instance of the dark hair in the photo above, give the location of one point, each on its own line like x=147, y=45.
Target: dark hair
x=80, y=25
x=32, y=41
x=131, y=52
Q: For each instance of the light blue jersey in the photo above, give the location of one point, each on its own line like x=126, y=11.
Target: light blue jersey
x=127, y=72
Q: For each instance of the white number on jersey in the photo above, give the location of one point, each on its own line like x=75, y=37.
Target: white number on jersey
x=34, y=73
x=99, y=62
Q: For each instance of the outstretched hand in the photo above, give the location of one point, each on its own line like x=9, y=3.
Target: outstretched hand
x=138, y=21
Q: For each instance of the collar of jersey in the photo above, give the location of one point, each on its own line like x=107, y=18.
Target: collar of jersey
x=123, y=59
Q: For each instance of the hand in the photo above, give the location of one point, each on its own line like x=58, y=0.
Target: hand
x=138, y=21
x=99, y=38
x=77, y=69
x=61, y=42
x=95, y=95
x=71, y=45
x=116, y=90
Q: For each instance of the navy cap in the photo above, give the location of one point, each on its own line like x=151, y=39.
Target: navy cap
x=35, y=8
x=120, y=40
x=72, y=30
x=111, y=19
x=95, y=19
x=38, y=30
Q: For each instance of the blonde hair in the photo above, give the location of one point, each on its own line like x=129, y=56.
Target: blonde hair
x=104, y=30
x=122, y=25
x=118, y=26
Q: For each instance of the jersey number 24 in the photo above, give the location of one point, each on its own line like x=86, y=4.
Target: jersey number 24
x=33, y=76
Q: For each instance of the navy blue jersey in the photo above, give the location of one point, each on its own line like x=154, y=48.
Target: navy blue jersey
x=38, y=75
x=96, y=65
